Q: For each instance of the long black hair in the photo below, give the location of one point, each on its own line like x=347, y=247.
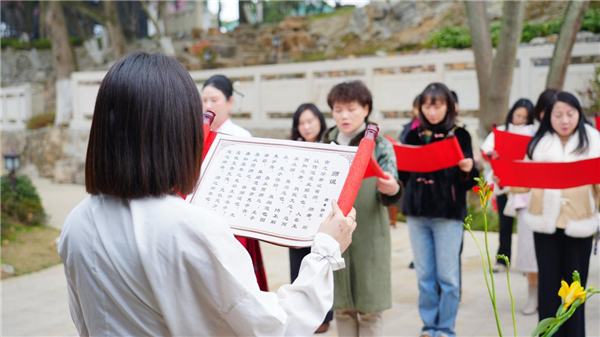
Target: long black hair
x=313, y=108
x=435, y=92
x=542, y=102
x=521, y=103
x=222, y=83
x=546, y=125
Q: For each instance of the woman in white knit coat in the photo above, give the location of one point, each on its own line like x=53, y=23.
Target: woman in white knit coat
x=563, y=221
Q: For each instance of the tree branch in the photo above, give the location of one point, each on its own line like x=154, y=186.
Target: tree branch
x=566, y=39
x=482, y=47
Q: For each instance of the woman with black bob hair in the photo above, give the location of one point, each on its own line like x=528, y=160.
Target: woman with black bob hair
x=308, y=126
x=306, y=117
x=563, y=221
x=139, y=260
x=525, y=118
x=435, y=205
x=520, y=121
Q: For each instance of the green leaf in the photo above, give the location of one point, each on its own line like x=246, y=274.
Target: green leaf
x=576, y=276
x=543, y=325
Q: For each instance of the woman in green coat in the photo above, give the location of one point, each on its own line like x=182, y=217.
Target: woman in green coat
x=363, y=289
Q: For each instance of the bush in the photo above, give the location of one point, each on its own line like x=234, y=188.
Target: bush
x=459, y=37
x=42, y=44
x=40, y=121
x=450, y=37
x=21, y=204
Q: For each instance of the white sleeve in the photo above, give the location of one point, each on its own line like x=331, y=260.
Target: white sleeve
x=75, y=307
x=297, y=309
x=488, y=144
x=219, y=274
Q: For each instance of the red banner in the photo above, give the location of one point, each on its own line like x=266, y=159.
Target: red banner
x=374, y=170
x=510, y=145
x=518, y=173
x=597, y=122
x=428, y=158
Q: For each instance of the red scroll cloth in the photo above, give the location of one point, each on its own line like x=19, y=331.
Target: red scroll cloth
x=209, y=138
x=510, y=145
x=357, y=169
x=519, y=173
x=374, y=170
x=428, y=158
x=597, y=122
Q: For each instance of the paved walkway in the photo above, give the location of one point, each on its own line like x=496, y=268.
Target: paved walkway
x=36, y=304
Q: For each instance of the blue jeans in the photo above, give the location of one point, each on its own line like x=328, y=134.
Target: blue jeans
x=436, y=247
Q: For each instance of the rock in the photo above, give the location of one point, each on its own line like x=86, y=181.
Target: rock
x=583, y=36
x=8, y=269
x=69, y=171
x=293, y=23
x=537, y=41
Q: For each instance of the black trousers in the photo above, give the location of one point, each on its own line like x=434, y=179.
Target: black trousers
x=296, y=256
x=506, y=228
x=558, y=256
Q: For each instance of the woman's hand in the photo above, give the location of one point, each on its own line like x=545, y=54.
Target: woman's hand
x=388, y=186
x=338, y=226
x=466, y=165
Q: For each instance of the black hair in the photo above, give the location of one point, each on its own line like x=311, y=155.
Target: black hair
x=454, y=95
x=542, y=102
x=546, y=124
x=222, y=83
x=521, y=103
x=417, y=100
x=313, y=108
x=146, y=137
x=348, y=92
x=436, y=92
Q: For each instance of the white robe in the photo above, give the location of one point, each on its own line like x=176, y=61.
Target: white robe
x=230, y=128
x=160, y=266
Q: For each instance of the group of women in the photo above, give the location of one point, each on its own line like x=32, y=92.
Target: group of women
x=139, y=260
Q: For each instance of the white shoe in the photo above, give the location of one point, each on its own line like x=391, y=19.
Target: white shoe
x=499, y=268
x=532, y=301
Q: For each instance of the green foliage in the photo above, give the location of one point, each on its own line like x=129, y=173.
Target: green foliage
x=42, y=44
x=37, y=44
x=450, y=37
x=591, y=20
x=40, y=121
x=21, y=204
x=341, y=11
x=459, y=37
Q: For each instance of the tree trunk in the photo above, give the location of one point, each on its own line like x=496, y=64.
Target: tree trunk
x=260, y=12
x=63, y=60
x=562, y=50
x=163, y=16
x=115, y=30
x=242, y=15
x=482, y=47
x=219, y=23
x=496, y=103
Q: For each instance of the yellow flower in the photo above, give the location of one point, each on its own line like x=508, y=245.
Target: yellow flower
x=571, y=294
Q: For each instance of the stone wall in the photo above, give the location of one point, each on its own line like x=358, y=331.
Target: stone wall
x=57, y=153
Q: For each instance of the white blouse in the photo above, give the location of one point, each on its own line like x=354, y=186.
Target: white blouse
x=160, y=266
x=230, y=128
